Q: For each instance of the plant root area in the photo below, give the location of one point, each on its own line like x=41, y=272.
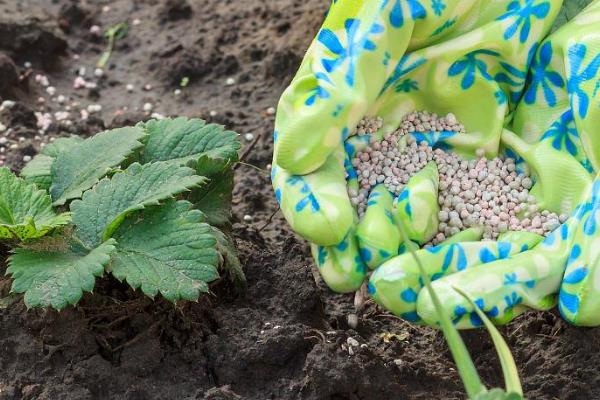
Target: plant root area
x=285, y=336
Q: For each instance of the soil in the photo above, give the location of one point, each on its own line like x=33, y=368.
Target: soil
x=285, y=337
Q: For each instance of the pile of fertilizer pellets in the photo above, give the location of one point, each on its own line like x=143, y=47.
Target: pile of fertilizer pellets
x=487, y=193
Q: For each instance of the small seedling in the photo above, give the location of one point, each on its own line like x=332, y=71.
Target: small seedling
x=112, y=34
x=149, y=204
x=184, y=81
x=466, y=368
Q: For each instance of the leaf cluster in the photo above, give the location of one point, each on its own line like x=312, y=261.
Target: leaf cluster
x=149, y=204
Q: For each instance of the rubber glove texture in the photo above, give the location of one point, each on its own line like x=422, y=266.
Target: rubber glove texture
x=516, y=91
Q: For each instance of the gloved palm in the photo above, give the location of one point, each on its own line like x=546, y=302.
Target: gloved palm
x=471, y=58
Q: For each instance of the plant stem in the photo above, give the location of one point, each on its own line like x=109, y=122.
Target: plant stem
x=464, y=363
x=507, y=362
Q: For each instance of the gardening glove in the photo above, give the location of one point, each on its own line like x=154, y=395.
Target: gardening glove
x=386, y=58
x=554, y=133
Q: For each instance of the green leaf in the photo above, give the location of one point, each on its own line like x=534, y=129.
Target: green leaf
x=509, y=368
x=497, y=394
x=59, y=277
x=53, y=149
x=25, y=211
x=214, y=198
x=166, y=249
x=79, y=169
x=229, y=258
x=102, y=209
x=568, y=11
x=114, y=33
x=462, y=358
x=38, y=170
x=181, y=140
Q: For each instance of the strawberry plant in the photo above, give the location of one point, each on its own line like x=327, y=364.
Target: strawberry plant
x=149, y=204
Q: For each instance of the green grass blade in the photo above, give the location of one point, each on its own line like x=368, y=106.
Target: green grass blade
x=464, y=363
x=509, y=368
x=114, y=33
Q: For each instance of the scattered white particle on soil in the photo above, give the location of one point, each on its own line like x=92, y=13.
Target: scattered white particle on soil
x=7, y=104
x=129, y=87
x=177, y=92
x=61, y=98
x=271, y=110
x=98, y=72
x=249, y=137
x=2, y=127
x=81, y=71
x=94, y=108
x=230, y=81
x=79, y=83
x=51, y=90
x=42, y=79
x=61, y=115
x=148, y=87
x=136, y=22
x=352, y=342
x=95, y=30
x=247, y=218
x=43, y=121
x=26, y=158
x=147, y=107
x=84, y=114
x=105, y=9
x=212, y=113
x=3, y=140
x=27, y=64
x=156, y=115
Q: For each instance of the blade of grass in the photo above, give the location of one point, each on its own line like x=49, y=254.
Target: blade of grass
x=113, y=33
x=464, y=363
x=509, y=368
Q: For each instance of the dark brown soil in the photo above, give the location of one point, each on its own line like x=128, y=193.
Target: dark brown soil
x=284, y=338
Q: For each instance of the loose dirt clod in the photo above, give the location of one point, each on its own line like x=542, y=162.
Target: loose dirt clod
x=491, y=193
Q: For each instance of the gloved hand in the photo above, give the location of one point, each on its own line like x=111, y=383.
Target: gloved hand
x=556, y=120
x=471, y=58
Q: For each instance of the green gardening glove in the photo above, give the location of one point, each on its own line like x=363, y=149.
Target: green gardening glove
x=387, y=58
x=554, y=132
